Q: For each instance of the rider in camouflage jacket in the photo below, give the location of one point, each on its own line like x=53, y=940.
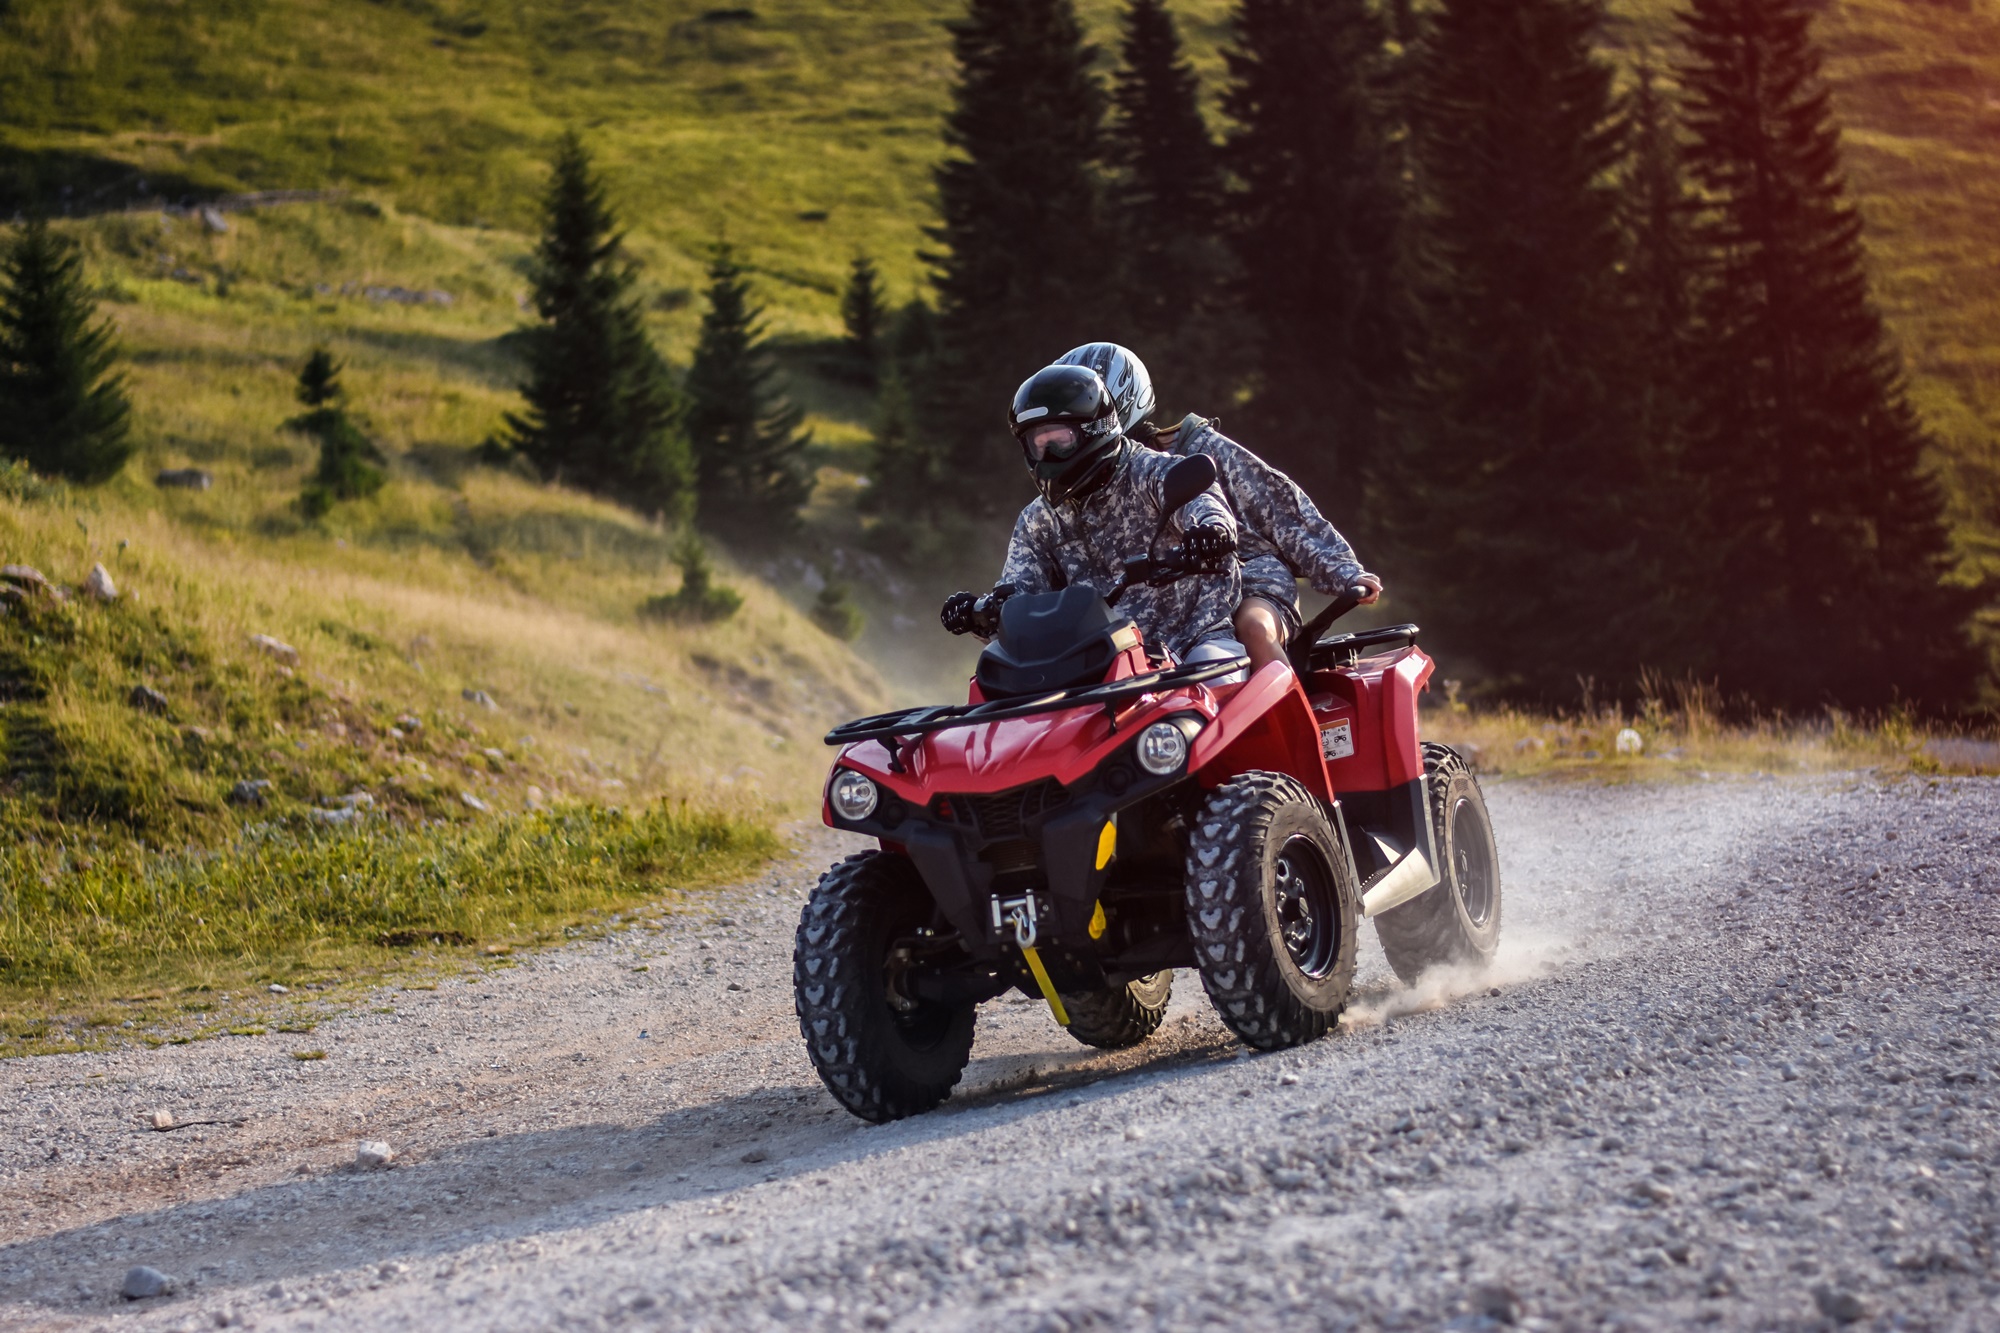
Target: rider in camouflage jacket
x=1282, y=537
x=1088, y=541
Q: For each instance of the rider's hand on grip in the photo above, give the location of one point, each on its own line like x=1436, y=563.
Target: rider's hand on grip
x=1211, y=548
x=960, y=612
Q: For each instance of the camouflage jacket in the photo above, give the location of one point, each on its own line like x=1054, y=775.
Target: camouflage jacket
x=1278, y=519
x=1088, y=543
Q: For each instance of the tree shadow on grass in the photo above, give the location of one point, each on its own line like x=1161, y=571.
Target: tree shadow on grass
x=494, y=361
x=65, y=182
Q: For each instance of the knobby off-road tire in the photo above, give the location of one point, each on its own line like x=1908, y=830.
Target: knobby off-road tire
x=1272, y=909
x=1120, y=1016
x=882, y=1055
x=1456, y=924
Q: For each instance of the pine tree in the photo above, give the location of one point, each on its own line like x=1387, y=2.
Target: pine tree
x=349, y=462
x=63, y=410
x=1659, y=337
x=910, y=490
x=1520, y=474
x=1828, y=542
x=603, y=413
x=1024, y=270
x=749, y=452
x=1167, y=211
x=1315, y=226
x=863, y=315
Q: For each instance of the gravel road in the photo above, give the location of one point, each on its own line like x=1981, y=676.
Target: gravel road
x=1736, y=1068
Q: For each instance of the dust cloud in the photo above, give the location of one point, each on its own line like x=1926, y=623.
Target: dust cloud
x=1523, y=957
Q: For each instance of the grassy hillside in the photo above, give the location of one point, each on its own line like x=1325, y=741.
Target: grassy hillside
x=803, y=130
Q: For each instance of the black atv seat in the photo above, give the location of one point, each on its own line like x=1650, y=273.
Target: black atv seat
x=1052, y=641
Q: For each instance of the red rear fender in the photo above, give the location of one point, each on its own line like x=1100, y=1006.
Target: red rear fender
x=1264, y=724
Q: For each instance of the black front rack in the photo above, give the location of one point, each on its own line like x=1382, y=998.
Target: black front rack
x=923, y=721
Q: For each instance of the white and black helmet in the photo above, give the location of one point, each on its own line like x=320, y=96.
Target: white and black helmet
x=1123, y=374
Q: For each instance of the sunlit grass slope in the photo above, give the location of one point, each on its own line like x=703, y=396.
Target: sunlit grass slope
x=803, y=130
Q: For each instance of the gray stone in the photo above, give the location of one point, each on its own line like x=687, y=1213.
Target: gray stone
x=27, y=576
x=481, y=698
x=1843, y=1307
x=98, y=584
x=336, y=818
x=275, y=648
x=250, y=791
x=183, y=479
x=473, y=802
x=211, y=217
x=142, y=1283
x=373, y=1154
x=1496, y=1302
x=147, y=699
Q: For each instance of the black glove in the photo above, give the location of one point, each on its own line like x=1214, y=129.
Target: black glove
x=1210, y=547
x=958, y=614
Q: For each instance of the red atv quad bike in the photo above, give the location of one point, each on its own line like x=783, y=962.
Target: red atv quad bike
x=1097, y=816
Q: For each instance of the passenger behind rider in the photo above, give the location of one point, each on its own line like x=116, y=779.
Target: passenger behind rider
x=1282, y=535
x=1101, y=503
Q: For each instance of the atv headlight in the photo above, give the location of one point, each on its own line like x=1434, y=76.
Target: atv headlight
x=1163, y=749
x=854, y=797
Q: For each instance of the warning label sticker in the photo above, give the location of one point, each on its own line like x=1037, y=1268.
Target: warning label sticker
x=1337, y=741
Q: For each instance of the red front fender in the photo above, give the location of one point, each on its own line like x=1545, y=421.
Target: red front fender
x=1264, y=724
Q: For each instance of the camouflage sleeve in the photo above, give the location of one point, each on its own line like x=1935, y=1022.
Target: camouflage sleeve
x=1208, y=510
x=1273, y=506
x=1031, y=553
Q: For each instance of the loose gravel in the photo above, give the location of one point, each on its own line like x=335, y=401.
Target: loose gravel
x=1735, y=1068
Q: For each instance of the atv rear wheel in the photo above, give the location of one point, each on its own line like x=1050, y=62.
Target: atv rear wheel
x=1456, y=924
x=1120, y=1016
x=1272, y=910
x=883, y=1053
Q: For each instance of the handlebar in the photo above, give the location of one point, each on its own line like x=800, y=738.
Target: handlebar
x=1155, y=573
x=986, y=614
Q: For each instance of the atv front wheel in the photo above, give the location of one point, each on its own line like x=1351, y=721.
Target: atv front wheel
x=882, y=1052
x=1120, y=1016
x=1456, y=924
x=1272, y=910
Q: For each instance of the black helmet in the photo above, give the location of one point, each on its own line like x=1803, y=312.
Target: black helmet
x=1068, y=428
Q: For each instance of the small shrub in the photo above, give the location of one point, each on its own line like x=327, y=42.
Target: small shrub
x=835, y=612
x=699, y=597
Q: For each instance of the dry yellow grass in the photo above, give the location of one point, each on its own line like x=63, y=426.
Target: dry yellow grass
x=1682, y=733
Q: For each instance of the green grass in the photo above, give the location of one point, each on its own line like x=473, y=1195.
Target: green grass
x=80, y=932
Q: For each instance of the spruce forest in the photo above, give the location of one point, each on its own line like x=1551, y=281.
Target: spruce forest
x=1582, y=354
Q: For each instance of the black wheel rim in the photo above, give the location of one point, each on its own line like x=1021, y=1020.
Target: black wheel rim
x=1472, y=861
x=1302, y=891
